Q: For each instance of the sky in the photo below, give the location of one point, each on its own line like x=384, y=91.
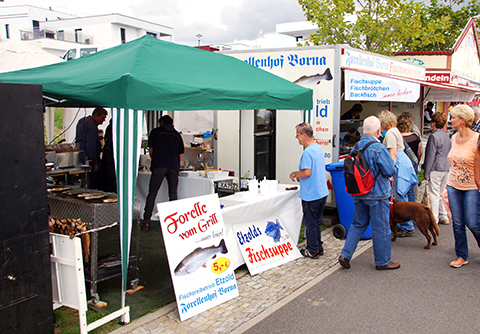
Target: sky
x=251, y=22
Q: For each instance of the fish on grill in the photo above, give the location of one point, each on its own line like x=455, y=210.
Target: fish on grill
x=57, y=189
x=94, y=196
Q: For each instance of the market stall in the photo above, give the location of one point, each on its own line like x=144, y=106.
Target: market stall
x=149, y=74
x=453, y=74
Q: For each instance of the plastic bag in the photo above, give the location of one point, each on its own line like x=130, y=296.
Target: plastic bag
x=426, y=197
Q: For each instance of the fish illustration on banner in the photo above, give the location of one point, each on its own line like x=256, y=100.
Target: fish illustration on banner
x=265, y=244
x=314, y=79
x=194, y=235
x=273, y=230
x=198, y=258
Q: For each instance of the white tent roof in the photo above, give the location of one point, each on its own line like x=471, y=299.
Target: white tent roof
x=18, y=55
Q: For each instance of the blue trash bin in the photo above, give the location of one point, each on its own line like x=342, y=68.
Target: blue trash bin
x=345, y=204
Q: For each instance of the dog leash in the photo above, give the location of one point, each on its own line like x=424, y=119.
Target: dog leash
x=390, y=202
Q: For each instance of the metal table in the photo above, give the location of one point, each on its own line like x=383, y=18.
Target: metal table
x=80, y=171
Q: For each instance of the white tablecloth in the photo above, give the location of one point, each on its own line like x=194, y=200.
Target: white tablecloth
x=244, y=207
x=187, y=187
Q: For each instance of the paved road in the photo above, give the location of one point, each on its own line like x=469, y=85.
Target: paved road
x=425, y=295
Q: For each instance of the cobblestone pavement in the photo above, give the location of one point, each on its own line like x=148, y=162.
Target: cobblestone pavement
x=257, y=294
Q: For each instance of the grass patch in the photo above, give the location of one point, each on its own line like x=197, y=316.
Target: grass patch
x=57, y=125
x=67, y=322
x=420, y=175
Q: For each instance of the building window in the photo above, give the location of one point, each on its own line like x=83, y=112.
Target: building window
x=61, y=35
x=7, y=30
x=36, y=29
x=154, y=35
x=122, y=35
x=78, y=35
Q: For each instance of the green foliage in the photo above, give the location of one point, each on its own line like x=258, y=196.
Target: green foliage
x=380, y=26
x=420, y=175
x=457, y=20
x=57, y=125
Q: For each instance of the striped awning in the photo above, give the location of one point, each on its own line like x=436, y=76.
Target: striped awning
x=127, y=139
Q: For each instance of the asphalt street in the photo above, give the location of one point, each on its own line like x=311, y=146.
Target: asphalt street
x=425, y=295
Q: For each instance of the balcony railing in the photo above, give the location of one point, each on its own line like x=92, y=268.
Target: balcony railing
x=58, y=34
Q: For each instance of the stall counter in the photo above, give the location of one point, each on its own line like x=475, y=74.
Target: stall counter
x=187, y=187
x=245, y=207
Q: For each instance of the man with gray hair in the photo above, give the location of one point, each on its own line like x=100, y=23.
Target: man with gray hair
x=476, y=119
x=313, y=189
x=373, y=207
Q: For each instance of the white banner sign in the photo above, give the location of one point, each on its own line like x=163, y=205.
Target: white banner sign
x=367, y=87
x=446, y=95
x=265, y=244
x=373, y=63
x=194, y=236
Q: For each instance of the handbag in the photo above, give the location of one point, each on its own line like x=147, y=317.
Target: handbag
x=426, y=196
x=410, y=154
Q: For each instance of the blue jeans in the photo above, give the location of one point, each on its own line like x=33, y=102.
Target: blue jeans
x=465, y=207
x=376, y=211
x=411, y=195
x=312, y=218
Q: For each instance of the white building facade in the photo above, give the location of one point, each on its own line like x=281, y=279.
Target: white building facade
x=57, y=31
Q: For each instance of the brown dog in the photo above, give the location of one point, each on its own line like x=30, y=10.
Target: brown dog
x=420, y=214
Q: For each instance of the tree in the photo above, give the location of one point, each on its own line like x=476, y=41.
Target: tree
x=380, y=26
x=458, y=19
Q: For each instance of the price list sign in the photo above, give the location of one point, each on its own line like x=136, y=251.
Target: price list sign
x=194, y=236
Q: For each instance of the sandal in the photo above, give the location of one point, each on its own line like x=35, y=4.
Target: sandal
x=458, y=262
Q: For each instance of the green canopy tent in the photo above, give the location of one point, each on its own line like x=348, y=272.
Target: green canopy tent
x=150, y=74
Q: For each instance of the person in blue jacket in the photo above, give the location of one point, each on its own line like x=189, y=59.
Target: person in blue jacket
x=373, y=206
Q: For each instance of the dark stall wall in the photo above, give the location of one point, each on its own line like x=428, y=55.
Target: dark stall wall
x=25, y=282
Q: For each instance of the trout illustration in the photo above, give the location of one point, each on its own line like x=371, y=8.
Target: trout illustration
x=198, y=258
x=315, y=79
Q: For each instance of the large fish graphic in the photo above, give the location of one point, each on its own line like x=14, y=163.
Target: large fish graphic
x=273, y=230
x=198, y=258
x=315, y=79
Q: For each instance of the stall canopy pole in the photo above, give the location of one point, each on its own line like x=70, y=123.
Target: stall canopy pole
x=127, y=137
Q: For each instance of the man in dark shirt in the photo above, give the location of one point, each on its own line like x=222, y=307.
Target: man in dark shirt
x=353, y=113
x=89, y=141
x=428, y=113
x=165, y=145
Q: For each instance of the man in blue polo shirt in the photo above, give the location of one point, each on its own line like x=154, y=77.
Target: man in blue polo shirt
x=313, y=189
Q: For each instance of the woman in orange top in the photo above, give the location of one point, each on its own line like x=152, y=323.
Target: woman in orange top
x=463, y=195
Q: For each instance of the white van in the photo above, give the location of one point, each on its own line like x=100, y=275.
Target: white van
x=83, y=50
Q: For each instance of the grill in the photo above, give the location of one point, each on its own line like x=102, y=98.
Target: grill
x=95, y=214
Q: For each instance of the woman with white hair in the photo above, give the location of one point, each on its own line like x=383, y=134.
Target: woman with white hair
x=463, y=195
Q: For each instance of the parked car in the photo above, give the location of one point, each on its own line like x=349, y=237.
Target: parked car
x=81, y=51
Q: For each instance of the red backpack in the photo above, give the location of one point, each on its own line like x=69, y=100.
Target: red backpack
x=358, y=176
